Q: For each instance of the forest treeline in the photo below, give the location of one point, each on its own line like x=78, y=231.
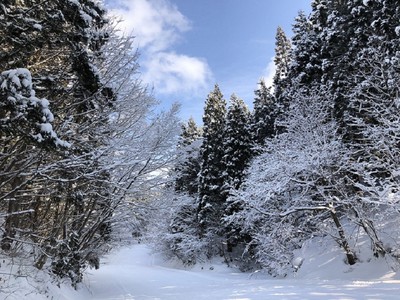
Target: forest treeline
x=317, y=156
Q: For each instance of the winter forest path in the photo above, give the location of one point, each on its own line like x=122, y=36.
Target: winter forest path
x=132, y=273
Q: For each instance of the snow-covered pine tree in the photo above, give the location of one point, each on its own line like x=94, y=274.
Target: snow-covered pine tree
x=282, y=60
x=188, y=165
x=211, y=196
x=372, y=29
x=237, y=143
x=190, y=133
x=345, y=33
x=319, y=14
x=303, y=48
x=305, y=67
x=238, y=150
x=265, y=110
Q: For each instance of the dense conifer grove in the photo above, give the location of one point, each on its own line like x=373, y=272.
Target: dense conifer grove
x=85, y=163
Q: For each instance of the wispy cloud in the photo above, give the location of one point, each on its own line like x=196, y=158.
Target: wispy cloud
x=158, y=26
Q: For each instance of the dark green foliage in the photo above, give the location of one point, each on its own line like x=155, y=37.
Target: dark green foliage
x=238, y=147
x=211, y=194
x=282, y=61
x=237, y=144
x=264, y=114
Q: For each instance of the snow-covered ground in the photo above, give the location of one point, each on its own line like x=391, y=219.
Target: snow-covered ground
x=133, y=273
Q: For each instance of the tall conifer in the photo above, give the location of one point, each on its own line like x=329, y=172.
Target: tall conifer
x=237, y=142
x=211, y=198
x=188, y=166
x=265, y=110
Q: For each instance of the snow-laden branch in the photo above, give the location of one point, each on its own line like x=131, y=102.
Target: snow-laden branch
x=305, y=208
x=27, y=211
x=21, y=107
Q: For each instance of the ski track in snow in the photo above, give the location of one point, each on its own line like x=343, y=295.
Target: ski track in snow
x=132, y=273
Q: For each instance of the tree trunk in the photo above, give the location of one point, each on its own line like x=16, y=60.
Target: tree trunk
x=11, y=219
x=377, y=246
x=351, y=257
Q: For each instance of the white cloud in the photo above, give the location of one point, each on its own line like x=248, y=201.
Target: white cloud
x=158, y=26
x=171, y=73
x=269, y=72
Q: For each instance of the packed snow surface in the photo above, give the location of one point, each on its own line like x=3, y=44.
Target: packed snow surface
x=133, y=273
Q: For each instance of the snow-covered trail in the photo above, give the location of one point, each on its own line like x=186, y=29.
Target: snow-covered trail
x=132, y=273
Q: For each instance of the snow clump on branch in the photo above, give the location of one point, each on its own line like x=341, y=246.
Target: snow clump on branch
x=22, y=105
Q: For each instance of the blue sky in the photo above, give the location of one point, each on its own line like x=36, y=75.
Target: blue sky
x=187, y=46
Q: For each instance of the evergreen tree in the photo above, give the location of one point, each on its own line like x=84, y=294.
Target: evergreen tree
x=178, y=234
x=319, y=14
x=344, y=35
x=373, y=31
x=306, y=66
x=304, y=47
x=237, y=143
x=190, y=133
x=188, y=166
x=282, y=61
x=211, y=196
x=265, y=110
x=238, y=148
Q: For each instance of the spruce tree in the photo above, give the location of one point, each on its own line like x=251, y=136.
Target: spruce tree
x=188, y=165
x=281, y=83
x=237, y=142
x=190, y=133
x=307, y=58
x=211, y=196
x=238, y=147
x=264, y=113
x=282, y=61
x=304, y=67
